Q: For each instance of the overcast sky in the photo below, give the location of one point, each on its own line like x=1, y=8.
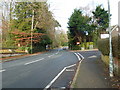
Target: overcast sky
x=62, y=9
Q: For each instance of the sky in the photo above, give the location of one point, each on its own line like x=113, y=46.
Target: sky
x=63, y=9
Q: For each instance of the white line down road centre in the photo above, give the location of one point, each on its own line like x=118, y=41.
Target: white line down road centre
x=2, y=70
x=33, y=61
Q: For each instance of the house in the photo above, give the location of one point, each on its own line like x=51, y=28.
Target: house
x=115, y=32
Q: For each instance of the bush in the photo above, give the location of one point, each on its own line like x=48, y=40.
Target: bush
x=86, y=45
x=28, y=49
x=82, y=45
x=76, y=47
x=8, y=44
x=22, y=48
x=115, y=46
x=38, y=48
x=103, y=46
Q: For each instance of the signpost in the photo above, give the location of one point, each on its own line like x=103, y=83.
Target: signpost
x=110, y=45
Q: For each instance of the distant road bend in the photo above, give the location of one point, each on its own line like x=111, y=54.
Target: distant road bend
x=52, y=69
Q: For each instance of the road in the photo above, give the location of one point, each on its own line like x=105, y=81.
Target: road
x=51, y=69
x=55, y=69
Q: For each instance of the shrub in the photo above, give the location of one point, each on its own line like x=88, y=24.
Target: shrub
x=82, y=45
x=103, y=46
x=76, y=47
x=115, y=46
x=38, y=48
x=88, y=45
x=8, y=44
x=22, y=48
x=28, y=49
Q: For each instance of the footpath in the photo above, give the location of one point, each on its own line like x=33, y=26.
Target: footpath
x=93, y=74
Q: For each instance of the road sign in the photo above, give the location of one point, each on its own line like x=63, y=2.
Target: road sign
x=78, y=43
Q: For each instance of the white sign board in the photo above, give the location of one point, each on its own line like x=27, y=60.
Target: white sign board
x=103, y=36
x=78, y=43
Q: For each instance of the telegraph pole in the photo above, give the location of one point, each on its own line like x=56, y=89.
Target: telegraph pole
x=32, y=30
x=110, y=44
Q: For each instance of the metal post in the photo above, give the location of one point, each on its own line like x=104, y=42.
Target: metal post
x=110, y=45
x=32, y=30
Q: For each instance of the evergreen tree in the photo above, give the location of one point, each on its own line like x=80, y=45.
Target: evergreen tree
x=101, y=19
x=78, y=26
x=43, y=22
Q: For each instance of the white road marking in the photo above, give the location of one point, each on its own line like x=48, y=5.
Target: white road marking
x=2, y=70
x=80, y=61
x=62, y=87
x=48, y=86
x=57, y=52
x=81, y=56
x=70, y=70
x=54, y=54
x=54, y=79
x=77, y=56
x=51, y=55
x=92, y=56
x=33, y=61
x=70, y=66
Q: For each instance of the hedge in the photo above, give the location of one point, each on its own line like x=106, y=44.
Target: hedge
x=86, y=45
x=103, y=46
x=115, y=45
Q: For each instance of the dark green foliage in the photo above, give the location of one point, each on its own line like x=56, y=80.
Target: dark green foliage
x=101, y=17
x=103, y=46
x=75, y=47
x=43, y=22
x=22, y=48
x=78, y=25
x=41, y=46
x=119, y=47
x=9, y=43
x=28, y=49
x=65, y=44
x=46, y=40
x=100, y=23
x=22, y=15
x=116, y=46
x=38, y=48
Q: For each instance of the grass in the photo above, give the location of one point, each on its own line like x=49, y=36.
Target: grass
x=75, y=85
x=105, y=59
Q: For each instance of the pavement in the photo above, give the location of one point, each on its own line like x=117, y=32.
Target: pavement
x=91, y=72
